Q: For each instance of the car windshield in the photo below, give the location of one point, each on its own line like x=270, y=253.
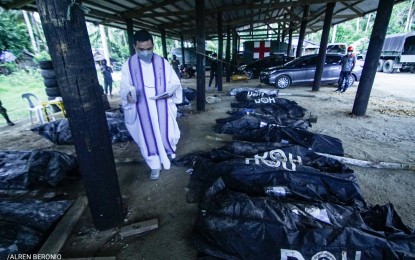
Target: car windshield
x=294, y=63
x=312, y=61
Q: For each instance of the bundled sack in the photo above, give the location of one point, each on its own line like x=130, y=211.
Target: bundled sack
x=235, y=91
x=282, y=169
x=28, y=169
x=233, y=225
x=312, y=141
x=244, y=96
x=281, y=106
x=264, y=152
x=255, y=121
x=59, y=132
x=25, y=224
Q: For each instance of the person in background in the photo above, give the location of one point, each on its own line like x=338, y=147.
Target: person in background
x=348, y=62
x=175, y=64
x=213, y=71
x=106, y=72
x=150, y=90
x=3, y=112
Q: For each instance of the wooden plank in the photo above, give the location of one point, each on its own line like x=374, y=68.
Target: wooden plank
x=64, y=228
x=368, y=164
x=138, y=228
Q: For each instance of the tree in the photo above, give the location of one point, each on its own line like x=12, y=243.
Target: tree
x=13, y=32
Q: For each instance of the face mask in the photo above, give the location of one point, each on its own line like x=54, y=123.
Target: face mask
x=145, y=55
x=350, y=53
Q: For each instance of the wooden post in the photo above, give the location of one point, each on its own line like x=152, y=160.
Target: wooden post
x=377, y=38
x=163, y=42
x=130, y=33
x=200, y=55
x=74, y=66
x=234, y=47
x=302, y=31
x=228, y=53
x=182, y=46
x=323, y=46
x=290, y=39
x=220, y=53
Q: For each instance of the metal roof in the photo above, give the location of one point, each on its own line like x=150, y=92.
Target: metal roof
x=177, y=17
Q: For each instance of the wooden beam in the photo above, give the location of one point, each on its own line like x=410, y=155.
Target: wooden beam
x=64, y=228
x=18, y=4
x=139, y=228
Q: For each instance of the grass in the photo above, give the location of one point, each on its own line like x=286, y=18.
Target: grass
x=14, y=85
x=11, y=89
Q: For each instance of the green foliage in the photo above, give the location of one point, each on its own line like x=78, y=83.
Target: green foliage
x=41, y=56
x=13, y=32
x=8, y=68
x=358, y=33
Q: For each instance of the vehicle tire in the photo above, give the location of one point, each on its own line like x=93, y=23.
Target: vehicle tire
x=388, y=66
x=249, y=74
x=53, y=92
x=51, y=83
x=351, y=80
x=282, y=82
x=48, y=74
x=186, y=75
x=380, y=65
x=46, y=65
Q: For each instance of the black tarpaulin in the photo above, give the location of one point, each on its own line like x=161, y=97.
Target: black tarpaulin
x=24, y=224
x=315, y=142
x=235, y=91
x=28, y=169
x=255, y=121
x=289, y=167
x=244, y=96
x=234, y=225
x=396, y=42
x=59, y=132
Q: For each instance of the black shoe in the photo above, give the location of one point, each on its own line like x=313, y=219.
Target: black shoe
x=337, y=90
x=344, y=90
x=10, y=123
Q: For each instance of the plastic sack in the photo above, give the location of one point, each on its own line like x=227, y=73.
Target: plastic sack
x=28, y=169
x=233, y=225
x=24, y=224
x=59, y=132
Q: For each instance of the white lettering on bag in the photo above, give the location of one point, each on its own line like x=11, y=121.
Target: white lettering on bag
x=265, y=100
x=293, y=254
x=276, y=158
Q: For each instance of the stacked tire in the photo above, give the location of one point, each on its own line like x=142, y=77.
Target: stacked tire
x=50, y=81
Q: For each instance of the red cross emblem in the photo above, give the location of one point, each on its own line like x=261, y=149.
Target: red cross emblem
x=261, y=49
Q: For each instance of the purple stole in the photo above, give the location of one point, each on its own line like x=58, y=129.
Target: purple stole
x=142, y=104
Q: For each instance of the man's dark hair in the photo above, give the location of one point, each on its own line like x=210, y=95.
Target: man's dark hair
x=142, y=36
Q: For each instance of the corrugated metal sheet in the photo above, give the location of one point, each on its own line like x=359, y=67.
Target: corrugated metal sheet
x=177, y=17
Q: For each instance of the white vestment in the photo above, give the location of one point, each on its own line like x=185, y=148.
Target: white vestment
x=132, y=120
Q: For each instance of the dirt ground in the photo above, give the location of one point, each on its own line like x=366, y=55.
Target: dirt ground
x=386, y=134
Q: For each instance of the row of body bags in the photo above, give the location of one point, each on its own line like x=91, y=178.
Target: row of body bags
x=274, y=197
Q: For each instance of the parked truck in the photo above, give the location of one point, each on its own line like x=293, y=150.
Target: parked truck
x=398, y=52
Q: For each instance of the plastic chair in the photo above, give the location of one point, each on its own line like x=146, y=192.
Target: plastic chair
x=35, y=107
